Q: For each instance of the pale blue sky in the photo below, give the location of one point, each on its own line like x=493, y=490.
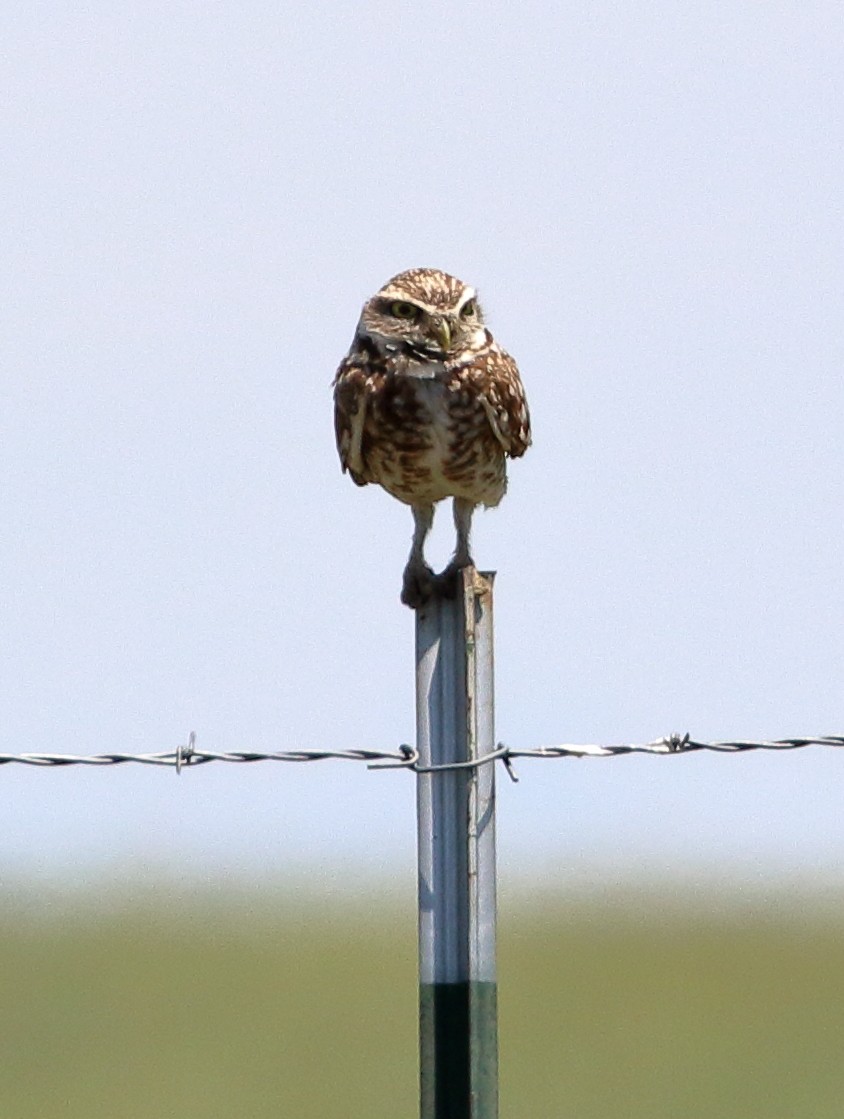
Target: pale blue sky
x=197, y=199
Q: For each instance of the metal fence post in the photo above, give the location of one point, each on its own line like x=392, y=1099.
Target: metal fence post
x=456, y=843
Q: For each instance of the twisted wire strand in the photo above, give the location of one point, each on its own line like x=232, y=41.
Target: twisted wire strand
x=677, y=744
x=181, y=758
x=405, y=757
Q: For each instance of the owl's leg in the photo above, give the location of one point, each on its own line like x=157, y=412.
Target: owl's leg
x=463, y=510
x=418, y=581
x=447, y=581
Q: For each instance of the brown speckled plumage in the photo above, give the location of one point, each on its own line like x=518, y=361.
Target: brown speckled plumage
x=428, y=406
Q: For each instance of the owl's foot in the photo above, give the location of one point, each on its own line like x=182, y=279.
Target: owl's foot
x=448, y=580
x=419, y=583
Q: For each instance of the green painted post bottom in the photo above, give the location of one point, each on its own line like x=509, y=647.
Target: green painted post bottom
x=458, y=1036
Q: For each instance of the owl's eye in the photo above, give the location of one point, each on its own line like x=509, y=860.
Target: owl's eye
x=468, y=309
x=403, y=310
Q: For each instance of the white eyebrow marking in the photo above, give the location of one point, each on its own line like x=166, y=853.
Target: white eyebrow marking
x=402, y=297
x=468, y=295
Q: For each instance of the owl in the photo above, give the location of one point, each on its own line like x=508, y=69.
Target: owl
x=428, y=406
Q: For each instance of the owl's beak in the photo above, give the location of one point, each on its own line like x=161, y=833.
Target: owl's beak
x=443, y=333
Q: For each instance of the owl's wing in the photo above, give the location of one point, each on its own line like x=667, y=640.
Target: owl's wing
x=350, y=393
x=504, y=401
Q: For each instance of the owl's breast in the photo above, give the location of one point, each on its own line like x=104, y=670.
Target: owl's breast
x=427, y=438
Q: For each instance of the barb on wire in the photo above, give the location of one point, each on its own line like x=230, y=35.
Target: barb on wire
x=405, y=757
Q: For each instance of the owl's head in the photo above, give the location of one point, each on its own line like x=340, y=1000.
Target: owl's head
x=426, y=311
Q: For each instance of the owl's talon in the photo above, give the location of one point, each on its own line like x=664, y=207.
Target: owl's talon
x=418, y=585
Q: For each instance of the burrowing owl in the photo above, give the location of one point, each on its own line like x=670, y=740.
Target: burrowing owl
x=429, y=406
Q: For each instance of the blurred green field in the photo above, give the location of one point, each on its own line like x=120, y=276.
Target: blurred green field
x=152, y=1011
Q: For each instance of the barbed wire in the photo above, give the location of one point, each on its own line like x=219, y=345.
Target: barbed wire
x=406, y=757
